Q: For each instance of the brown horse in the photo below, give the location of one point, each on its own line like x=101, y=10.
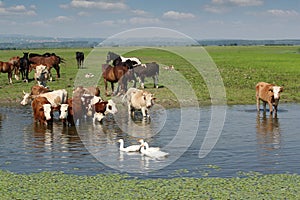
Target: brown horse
x=49, y=61
x=16, y=63
x=118, y=74
x=7, y=67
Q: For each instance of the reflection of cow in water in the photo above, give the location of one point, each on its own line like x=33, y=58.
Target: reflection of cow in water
x=268, y=132
x=79, y=59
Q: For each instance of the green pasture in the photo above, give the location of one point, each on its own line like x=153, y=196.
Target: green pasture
x=241, y=67
x=56, y=185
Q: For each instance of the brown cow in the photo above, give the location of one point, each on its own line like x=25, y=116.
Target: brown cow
x=35, y=90
x=76, y=110
x=268, y=93
x=42, y=111
x=102, y=108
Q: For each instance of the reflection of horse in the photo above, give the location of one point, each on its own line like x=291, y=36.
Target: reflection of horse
x=24, y=66
x=50, y=61
x=118, y=74
x=7, y=67
x=268, y=132
x=118, y=60
x=79, y=59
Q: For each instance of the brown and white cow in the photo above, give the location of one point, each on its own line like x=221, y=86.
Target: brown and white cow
x=35, y=90
x=268, y=93
x=102, y=108
x=139, y=100
x=42, y=111
x=76, y=110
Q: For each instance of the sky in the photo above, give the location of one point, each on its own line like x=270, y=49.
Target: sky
x=198, y=19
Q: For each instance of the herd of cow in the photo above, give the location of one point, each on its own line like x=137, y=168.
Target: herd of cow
x=85, y=101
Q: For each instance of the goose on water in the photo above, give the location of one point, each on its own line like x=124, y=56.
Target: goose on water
x=132, y=148
x=152, y=153
x=148, y=148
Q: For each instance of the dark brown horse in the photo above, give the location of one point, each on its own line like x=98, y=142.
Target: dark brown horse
x=49, y=61
x=120, y=74
x=7, y=67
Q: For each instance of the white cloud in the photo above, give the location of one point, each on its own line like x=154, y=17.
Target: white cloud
x=238, y=2
x=102, y=5
x=283, y=13
x=178, y=15
x=144, y=21
x=139, y=12
x=215, y=9
x=16, y=10
x=61, y=19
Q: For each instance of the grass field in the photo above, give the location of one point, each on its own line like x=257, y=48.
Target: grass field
x=240, y=67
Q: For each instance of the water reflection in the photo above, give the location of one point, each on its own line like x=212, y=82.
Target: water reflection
x=268, y=132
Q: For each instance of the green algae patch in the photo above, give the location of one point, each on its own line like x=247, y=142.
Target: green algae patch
x=57, y=185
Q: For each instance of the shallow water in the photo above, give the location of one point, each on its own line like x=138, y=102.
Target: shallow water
x=249, y=141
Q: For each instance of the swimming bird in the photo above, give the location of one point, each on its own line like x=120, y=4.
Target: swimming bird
x=157, y=154
x=132, y=148
x=149, y=148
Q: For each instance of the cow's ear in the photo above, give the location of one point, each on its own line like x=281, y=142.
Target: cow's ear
x=281, y=89
x=271, y=89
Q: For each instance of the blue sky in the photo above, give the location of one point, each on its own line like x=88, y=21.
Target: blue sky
x=207, y=19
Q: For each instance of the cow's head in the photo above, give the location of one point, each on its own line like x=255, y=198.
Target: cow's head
x=47, y=111
x=111, y=107
x=26, y=98
x=63, y=111
x=276, y=91
x=149, y=99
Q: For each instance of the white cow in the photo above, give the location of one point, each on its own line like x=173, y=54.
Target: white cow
x=42, y=75
x=139, y=100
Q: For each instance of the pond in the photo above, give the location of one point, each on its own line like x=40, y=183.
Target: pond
x=249, y=141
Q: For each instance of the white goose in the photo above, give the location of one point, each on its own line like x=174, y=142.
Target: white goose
x=132, y=148
x=148, y=148
x=152, y=153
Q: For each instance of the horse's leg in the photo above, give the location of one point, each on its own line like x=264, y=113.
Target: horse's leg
x=9, y=77
x=142, y=81
x=155, y=79
x=57, y=68
x=105, y=84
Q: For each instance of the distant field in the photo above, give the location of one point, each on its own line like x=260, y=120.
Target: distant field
x=241, y=67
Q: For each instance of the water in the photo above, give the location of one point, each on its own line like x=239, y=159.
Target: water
x=248, y=142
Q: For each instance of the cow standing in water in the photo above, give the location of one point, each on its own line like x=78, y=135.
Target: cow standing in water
x=79, y=59
x=268, y=93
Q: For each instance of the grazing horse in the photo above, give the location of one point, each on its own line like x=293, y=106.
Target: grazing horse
x=118, y=74
x=7, y=67
x=50, y=61
x=118, y=60
x=147, y=70
x=79, y=59
x=24, y=66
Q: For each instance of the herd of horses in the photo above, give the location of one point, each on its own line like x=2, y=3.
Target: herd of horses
x=121, y=71
x=125, y=70
x=28, y=62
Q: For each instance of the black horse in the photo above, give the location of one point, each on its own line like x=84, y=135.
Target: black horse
x=24, y=66
x=120, y=60
x=80, y=59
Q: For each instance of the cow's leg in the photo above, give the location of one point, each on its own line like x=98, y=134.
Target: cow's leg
x=264, y=105
x=271, y=108
x=155, y=79
x=144, y=112
x=257, y=104
x=142, y=82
